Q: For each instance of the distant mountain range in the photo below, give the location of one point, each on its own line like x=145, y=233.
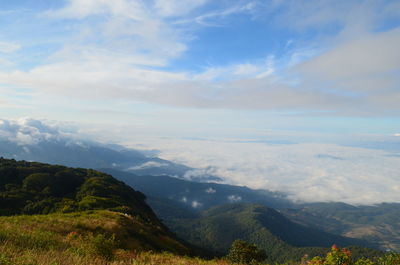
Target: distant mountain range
x=215, y=229
x=174, y=199
x=376, y=223
x=199, y=195
x=71, y=201
x=188, y=196
x=88, y=154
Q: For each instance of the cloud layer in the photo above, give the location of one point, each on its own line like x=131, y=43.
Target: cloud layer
x=28, y=131
x=309, y=172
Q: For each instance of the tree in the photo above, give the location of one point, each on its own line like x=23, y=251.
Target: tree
x=245, y=253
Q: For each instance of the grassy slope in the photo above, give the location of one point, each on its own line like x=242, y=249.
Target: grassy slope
x=47, y=202
x=90, y=237
x=86, y=238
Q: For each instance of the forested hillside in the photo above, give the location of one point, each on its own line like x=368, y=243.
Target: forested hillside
x=28, y=188
x=283, y=240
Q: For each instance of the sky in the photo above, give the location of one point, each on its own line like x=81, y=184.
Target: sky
x=266, y=76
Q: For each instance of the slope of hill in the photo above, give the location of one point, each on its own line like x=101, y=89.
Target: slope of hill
x=218, y=227
x=87, y=154
x=169, y=197
x=40, y=141
x=377, y=223
x=198, y=195
x=34, y=188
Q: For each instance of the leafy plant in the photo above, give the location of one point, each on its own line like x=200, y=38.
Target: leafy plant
x=103, y=246
x=245, y=253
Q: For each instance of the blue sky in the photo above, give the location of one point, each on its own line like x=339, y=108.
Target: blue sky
x=213, y=66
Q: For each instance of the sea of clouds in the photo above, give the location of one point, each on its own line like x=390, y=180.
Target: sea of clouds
x=309, y=172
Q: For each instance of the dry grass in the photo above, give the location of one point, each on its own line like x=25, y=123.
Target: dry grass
x=93, y=237
x=14, y=256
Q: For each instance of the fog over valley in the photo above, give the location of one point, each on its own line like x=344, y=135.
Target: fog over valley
x=305, y=171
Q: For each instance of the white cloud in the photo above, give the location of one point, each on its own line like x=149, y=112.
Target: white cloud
x=150, y=164
x=209, y=19
x=306, y=171
x=234, y=198
x=361, y=176
x=397, y=134
x=350, y=15
x=199, y=173
x=364, y=71
x=8, y=47
x=171, y=8
x=83, y=8
x=245, y=69
x=120, y=55
x=210, y=191
x=368, y=55
x=126, y=32
x=196, y=204
x=28, y=131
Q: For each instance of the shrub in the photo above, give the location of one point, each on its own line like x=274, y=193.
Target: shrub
x=103, y=246
x=243, y=252
x=4, y=260
x=389, y=259
x=338, y=256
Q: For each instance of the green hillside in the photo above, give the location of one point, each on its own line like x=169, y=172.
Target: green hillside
x=208, y=194
x=57, y=215
x=173, y=198
x=376, y=223
x=98, y=233
x=63, y=196
x=218, y=227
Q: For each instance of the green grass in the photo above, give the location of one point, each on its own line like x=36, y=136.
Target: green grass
x=98, y=237
x=73, y=236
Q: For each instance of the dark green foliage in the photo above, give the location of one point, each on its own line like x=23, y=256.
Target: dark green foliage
x=175, y=189
x=103, y=246
x=31, y=188
x=283, y=240
x=36, y=188
x=389, y=259
x=344, y=256
x=376, y=223
x=245, y=253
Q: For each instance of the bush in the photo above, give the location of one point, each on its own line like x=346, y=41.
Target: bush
x=389, y=259
x=342, y=257
x=103, y=246
x=4, y=260
x=245, y=253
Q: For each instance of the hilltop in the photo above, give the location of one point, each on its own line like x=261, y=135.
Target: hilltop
x=59, y=200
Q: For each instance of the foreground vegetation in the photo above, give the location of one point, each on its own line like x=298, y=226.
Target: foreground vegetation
x=31, y=245
x=56, y=215
x=283, y=240
x=110, y=238
x=97, y=237
x=48, y=201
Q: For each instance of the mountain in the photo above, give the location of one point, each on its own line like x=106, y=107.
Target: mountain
x=35, y=140
x=90, y=155
x=376, y=223
x=171, y=198
x=198, y=196
x=281, y=238
x=81, y=201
